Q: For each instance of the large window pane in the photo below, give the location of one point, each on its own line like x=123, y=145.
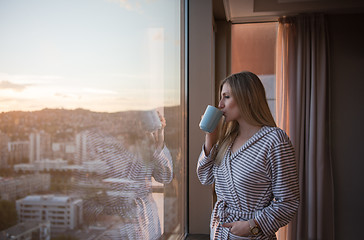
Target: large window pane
x=91, y=123
x=253, y=49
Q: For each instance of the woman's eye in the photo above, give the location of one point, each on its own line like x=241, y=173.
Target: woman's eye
x=225, y=97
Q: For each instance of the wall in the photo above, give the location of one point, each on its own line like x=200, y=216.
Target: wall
x=222, y=32
x=201, y=93
x=253, y=47
x=347, y=89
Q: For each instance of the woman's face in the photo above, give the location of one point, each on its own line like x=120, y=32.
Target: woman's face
x=228, y=104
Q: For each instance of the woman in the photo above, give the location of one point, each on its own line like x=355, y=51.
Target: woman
x=252, y=164
x=126, y=168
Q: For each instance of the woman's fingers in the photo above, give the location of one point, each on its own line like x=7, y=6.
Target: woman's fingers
x=162, y=119
x=239, y=228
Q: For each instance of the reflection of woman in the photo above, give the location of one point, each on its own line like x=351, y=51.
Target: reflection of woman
x=127, y=178
x=251, y=163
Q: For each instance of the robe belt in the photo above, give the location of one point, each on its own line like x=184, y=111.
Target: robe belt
x=226, y=212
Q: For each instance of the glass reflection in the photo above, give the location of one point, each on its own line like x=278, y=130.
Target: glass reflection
x=119, y=189
x=91, y=120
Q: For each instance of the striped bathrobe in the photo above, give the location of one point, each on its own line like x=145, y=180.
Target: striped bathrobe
x=258, y=181
x=132, y=198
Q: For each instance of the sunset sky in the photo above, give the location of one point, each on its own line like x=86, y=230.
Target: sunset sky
x=102, y=55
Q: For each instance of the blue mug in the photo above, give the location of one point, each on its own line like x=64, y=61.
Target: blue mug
x=210, y=119
x=150, y=120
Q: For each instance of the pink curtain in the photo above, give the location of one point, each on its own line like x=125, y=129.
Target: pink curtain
x=303, y=112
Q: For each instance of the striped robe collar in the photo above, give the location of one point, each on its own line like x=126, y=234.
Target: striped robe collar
x=258, y=135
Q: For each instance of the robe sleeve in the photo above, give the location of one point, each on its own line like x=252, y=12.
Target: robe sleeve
x=163, y=167
x=205, y=166
x=281, y=168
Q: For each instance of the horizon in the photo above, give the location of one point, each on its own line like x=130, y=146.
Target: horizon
x=84, y=109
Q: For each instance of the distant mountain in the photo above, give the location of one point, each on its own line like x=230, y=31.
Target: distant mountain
x=63, y=124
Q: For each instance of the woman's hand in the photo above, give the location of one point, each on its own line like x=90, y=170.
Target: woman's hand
x=159, y=134
x=210, y=139
x=239, y=228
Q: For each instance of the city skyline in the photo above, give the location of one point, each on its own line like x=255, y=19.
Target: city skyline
x=100, y=55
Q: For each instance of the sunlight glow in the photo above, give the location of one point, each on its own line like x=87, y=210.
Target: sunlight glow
x=99, y=62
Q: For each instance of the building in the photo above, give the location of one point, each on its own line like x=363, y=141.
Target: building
x=61, y=165
x=18, y=152
x=47, y=165
x=63, y=212
x=81, y=148
x=28, y=231
x=4, y=139
x=13, y=188
x=40, y=146
x=94, y=166
x=64, y=150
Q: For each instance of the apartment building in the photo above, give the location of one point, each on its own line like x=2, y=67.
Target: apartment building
x=18, y=152
x=12, y=188
x=40, y=146
x=63, y=212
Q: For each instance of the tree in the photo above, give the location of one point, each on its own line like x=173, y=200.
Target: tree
x=8, y=215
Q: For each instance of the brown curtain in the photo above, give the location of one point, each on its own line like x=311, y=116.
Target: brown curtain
x=303, y=112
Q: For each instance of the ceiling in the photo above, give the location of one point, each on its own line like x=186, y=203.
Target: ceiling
x=240, y=11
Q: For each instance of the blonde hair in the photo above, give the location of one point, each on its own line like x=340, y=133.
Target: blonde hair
x=249, y=94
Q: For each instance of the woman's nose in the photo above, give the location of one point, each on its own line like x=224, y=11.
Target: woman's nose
x=221, y=104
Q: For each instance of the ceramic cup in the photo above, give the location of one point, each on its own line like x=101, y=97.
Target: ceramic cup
x=210, y=119
x=150, y=120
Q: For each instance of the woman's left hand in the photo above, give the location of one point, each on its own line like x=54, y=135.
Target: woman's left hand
x=239, y=228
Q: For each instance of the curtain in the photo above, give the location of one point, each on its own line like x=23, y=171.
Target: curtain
x=302, y=92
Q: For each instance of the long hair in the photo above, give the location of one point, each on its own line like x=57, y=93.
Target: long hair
x=249, y=94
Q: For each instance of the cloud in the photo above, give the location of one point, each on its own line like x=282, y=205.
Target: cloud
x=28, y=78
x=99, y=91
x=12, y=86
x=62, y=95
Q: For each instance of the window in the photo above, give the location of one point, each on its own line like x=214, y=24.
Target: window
x=253, y=49
x=85, y=87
